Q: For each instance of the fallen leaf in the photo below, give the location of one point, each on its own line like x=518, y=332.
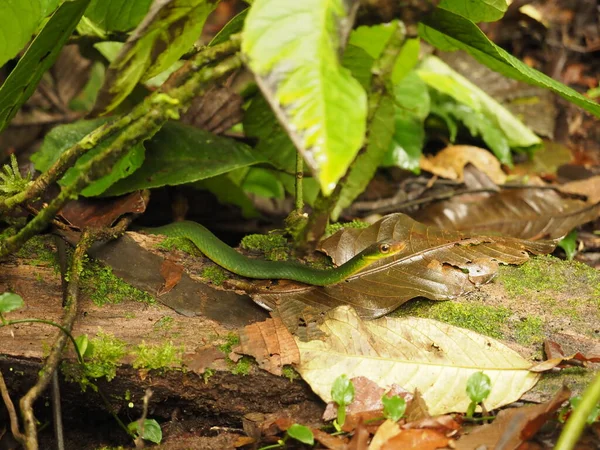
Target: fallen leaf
x=329, y=441
x=436, y=264
x=385, y=432
x=270, y=343
x=100, y=212
x=526, y=212
x=450, y=162
x=202, y=359
x=590, y=187
x=171, y=273
x=433, y=357
x=424, y=439
x=554, y=350
x=513, y=426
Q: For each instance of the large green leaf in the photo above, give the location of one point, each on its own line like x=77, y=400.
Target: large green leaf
x=483, y=115
x=63, y=137
x=169, y=30
x=38, y=58
x=411, y=108
x=117, y=15
x=180, y=154
x=448, y=31
x=293, y=49
x=19, y=19
x=476, y=10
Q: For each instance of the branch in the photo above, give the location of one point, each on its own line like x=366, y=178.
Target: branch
x=10, y=407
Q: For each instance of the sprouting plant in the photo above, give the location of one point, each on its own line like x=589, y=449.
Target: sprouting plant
x=12, y=180
x=342, y=392
x=479, y=386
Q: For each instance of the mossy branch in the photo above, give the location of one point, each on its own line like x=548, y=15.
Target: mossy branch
x=70, y=156
x=145, y=120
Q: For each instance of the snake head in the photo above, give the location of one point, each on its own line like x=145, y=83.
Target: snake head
x=383, y=249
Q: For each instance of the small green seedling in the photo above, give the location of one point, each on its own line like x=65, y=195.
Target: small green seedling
x=342, y=392
x=564, y=413
x=152, y=431
x=298, y=432
x=11, y=180
x=9, y=302
x=393, y=407
x=569, y=244
x=479, y=386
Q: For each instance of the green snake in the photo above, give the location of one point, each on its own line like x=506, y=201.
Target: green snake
x=226, y=257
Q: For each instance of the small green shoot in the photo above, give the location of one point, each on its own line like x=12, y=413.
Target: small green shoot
x=569, y=244
x=10, y=302
x=479, y=386
x=301, y=433
x=11, y=180
x=151, y=432
x=393, y=407
x=342, y=392
x=82, y=343
x=564, y=413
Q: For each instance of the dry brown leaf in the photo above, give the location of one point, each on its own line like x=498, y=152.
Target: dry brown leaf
x=216, y=111
x=270, y=343
x=202, y=359
x=450, y=162
x=424, y=439
x=436, y=264
x=590, y=187
x=554, y=350
x=513, y=426
x=384, y=433
x=528, y=212
x=171, y=273
x=433, y=357
x=329, y=441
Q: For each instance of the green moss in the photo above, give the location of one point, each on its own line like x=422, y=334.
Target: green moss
x=40, y=252
x=214, y=274
x=102, y=286
x=154, y=357
x=289, y=372
x=529, y=331
x=231, y=341
x=179, y=243
x=164, y=323
x=274, y=246
x=335, y=227
x=243, y=366
x=208, y=372
x=482, y=319
x=102, y=358
x=547, y=273
x=577, y=378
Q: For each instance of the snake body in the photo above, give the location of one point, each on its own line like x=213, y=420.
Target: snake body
x=227, y=257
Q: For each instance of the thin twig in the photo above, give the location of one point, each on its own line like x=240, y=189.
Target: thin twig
x=12, y=414
x=139, y=440
x=26, y=403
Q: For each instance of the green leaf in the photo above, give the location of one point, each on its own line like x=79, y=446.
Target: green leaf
x=381, y=130
x=234, y=26
x=407, y=59
x=10, y=302
x=360, y=63
x=180, y=154
x=412, y=105
x=594, y=413
x=82, y=343
x=62, y=137
x=263, y=182
x=479, y=387
x=393, y=407
x=301, y=433
x=293, y=50
x=342, y=391
x=476, y=10
x=569, y=244
x=502, y=128
x=117, y=15
x=228, y=191
x=152, y=431
x=169, y=30
x=274, y=145
x=20, y=19
x=38, y=58
x=447, y=30
x=372, y=39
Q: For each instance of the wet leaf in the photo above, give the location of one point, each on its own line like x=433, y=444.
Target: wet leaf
x=524, y=212
x=513, y=426
x=433, y=357
x=436, y=264
x=270, y=343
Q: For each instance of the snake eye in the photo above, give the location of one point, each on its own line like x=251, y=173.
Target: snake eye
x=384, y=248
